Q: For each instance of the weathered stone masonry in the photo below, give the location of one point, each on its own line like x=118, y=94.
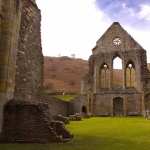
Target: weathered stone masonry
x=27, y=122
x=10, y=15
x=19, y=48
x=29, y=57
x=103, y=97
x=21, y=72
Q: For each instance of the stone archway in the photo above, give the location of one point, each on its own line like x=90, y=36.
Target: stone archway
x=118, y=106
x=84, y=109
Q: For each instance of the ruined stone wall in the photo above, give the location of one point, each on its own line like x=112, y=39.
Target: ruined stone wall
x=0, y=7
x=20, y=51
x=76, y=105
x=129, y=51
x=29, y=56
x=132, y=103
x=136, y=56
x=30, y=122
x=9, y=29
x=10, y=25
x=105, y=43
x=56, y=106
x=26, y=122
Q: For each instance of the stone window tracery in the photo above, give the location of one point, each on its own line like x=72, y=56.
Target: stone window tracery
x=130, y=75
x=117, y=41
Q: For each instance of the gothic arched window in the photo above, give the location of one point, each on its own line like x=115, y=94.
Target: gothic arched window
x=117, y=72
x=104, y=76
x=130, y=75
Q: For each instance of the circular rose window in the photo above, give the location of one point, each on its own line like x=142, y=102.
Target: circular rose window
x=117, y=41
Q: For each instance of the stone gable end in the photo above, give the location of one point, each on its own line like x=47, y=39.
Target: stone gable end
x=106, y=44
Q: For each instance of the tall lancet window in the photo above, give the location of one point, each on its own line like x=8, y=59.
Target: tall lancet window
x=104, y=76
x=117, y=73
x=130, y=75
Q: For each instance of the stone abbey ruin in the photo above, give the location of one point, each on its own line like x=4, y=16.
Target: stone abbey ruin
x=26, y=115
x=107, y=94
x=23, y=117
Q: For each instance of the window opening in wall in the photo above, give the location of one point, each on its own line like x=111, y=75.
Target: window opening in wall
x=130, y=75
x=117, y=73
x=104, y=76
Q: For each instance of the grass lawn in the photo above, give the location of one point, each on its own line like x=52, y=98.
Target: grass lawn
x=66, y=97
x=99, y=134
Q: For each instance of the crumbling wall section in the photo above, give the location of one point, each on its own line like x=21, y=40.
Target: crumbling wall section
x=27, y=122
x=9, y=29
x=56, y=106
x=29, y=57
x=24, y=120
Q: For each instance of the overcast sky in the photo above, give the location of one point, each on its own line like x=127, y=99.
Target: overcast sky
x=74, y=26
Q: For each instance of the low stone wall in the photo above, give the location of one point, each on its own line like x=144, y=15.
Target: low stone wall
x=75, y=106
x=56, y=106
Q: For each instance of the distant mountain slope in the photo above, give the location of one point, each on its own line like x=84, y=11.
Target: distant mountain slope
x=64, y=73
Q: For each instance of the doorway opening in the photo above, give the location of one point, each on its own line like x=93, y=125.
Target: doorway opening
x=84, y=110
x=118, y=106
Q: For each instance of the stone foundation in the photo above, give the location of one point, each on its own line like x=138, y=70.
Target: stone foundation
x=28, y=122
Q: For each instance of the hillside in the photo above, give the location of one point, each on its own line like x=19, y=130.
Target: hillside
x=148, y=65
x=64, y=73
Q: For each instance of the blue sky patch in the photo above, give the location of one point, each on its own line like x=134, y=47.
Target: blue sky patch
x=131, y=12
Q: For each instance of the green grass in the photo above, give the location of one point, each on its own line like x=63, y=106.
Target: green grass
x=99, y=134
x=65, y=97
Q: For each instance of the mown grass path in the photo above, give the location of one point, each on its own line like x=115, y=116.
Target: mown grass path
x=99, y=134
